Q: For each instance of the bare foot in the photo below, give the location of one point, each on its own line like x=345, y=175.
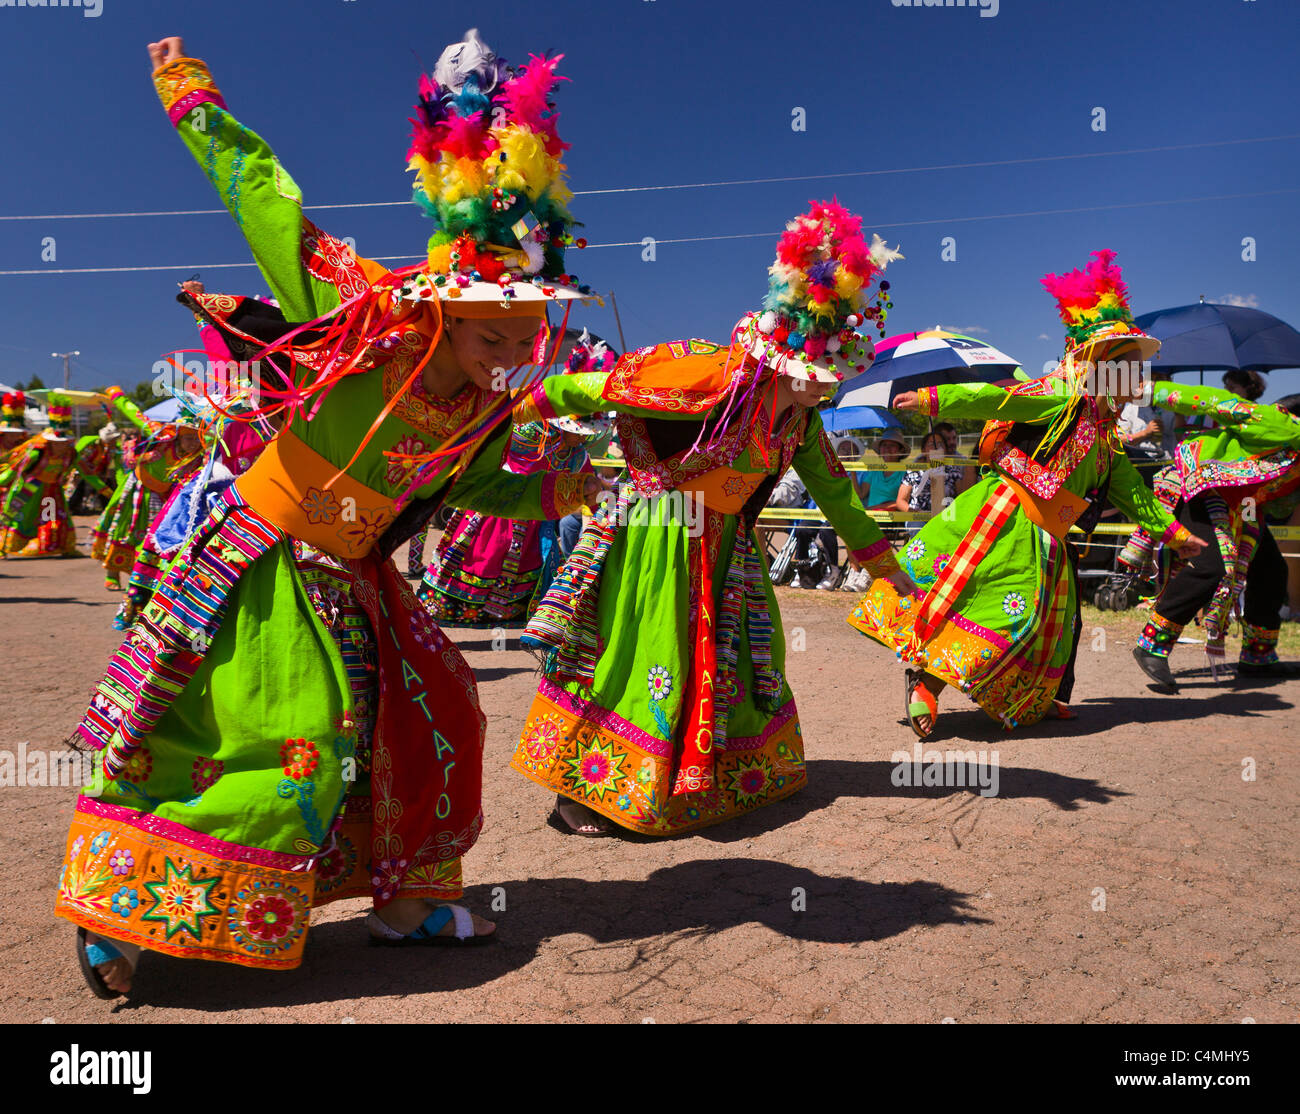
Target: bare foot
x=579, y=818
x=116, y=973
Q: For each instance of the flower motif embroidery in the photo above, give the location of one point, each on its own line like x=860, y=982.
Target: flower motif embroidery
x=125, y=902
x=205, y=773
x=915, y=549
x=1013, y=604
x=941, y=562
x=596, y=769
x=542, y=738
x=399, y=471
x=268, y=917
x=138, y=767
x=360, y=535
x=121, y=862
x=99, y=842
x=321, y=506
x=659, y=681
x=299, y=758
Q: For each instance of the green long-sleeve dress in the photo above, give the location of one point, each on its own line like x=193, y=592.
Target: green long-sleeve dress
x=34, y=520
x=664, y=704
x=1250, y=460
x=285, y=726
x=995, y=609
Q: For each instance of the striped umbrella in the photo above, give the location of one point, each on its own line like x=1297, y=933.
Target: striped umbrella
x=909, y=361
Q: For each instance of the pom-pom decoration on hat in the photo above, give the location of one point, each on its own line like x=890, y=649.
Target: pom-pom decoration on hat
x=819, y=292
x=59, y=410
x=13, y=408
x=1094, y=307
x=487, y=158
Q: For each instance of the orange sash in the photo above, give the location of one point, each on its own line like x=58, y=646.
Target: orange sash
x=1055, y=515
x=286, y=485
x=724, y=489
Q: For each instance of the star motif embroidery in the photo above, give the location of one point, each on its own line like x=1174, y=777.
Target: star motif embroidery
x=179, y=902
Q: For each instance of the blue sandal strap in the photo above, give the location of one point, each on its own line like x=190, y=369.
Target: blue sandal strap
x=434, y=923
x=102, y=952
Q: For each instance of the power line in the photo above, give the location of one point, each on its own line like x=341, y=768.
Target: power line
x=723, y=183
x=702, y=239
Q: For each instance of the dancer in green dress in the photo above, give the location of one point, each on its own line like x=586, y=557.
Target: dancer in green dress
x=996, y=611
x=284, y=725
x=665, y=707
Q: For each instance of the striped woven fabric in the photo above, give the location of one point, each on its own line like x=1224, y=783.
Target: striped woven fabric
x=563, y=628
x=974, y=546
x=166, y=645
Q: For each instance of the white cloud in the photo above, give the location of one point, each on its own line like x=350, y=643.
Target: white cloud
x=971, y=330
x=1250, y=301
x=1043, y=336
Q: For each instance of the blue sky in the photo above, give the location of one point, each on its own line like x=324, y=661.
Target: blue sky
x=665, y=92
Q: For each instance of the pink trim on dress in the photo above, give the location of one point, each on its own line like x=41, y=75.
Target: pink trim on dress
x=178, y=833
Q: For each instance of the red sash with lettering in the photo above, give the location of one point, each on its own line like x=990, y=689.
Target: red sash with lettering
x=427, y=759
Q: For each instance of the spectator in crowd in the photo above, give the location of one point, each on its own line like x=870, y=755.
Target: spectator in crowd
x=914, y=494
x=879, y=490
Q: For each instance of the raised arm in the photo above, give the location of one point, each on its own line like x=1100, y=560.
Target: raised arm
x=264, y=200
x=829, y=485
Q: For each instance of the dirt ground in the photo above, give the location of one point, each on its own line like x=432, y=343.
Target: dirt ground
x=1125, y=871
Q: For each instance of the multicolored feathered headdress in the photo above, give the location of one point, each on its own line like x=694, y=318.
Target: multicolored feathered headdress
x=59, y=410
x=13, y=408
x=487, y=154
x=818, y=295
x=1094, y=308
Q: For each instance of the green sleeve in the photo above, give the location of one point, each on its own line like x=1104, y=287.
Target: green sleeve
x=989, y=403
x=1135, y=499
x=128, y=410
x=487, y=487
x=831, y=489
x=581, y=393
x=1268, y=425
x=259, y=193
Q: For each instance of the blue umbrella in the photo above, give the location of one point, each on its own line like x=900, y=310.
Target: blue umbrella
x=841, y=418
x=1210, y=337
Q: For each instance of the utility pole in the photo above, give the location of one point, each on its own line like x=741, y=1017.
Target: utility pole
x=66, y=357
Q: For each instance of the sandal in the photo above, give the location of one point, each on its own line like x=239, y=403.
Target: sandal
x=927, y=705
x=90, y=956
x=430, y=934
x=557, y=821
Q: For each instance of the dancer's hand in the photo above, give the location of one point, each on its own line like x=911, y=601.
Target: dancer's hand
x=905, y=401
x=595, y=487
x=903, y=584
x=166, y=50
x=1191, y=548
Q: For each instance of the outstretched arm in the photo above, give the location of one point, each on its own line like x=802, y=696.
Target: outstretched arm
x=487, y=487
x=986, y=402
x=1268, y=424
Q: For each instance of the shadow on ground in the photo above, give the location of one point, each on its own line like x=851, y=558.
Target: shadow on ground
x=692, y=899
